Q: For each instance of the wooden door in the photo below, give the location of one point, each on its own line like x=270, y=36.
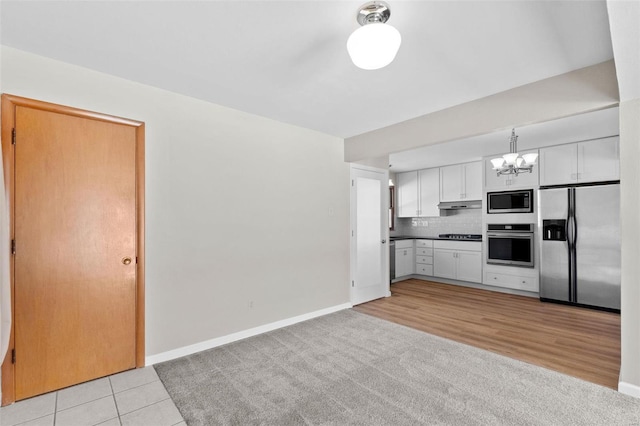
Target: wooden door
x=76, y=234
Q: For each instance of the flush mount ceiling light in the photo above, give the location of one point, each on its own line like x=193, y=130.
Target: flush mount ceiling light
x=512, y=163
x=374, y=45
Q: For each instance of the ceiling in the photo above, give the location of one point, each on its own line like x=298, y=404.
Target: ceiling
x=593, y=125
x=287, y=60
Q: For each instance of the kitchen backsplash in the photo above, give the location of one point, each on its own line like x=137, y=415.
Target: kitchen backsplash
x=460, y=222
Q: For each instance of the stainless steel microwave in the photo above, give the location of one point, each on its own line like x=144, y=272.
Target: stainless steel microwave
x=510, y=201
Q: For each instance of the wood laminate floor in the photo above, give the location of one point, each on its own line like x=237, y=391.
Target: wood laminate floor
x=580, y=342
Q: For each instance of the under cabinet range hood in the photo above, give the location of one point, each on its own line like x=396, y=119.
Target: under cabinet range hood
x=460, y=205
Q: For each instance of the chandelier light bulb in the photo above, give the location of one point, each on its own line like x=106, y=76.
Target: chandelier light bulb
x=530, y=158
x=511, y=158
x=497, y=163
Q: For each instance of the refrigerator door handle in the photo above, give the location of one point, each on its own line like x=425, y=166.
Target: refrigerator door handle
x=573, y=261
x=574, y=222
x=571, y=244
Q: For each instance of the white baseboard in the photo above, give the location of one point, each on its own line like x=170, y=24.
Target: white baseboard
x=629, y=389
x=229, y=338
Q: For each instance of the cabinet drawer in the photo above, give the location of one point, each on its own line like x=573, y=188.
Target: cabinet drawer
x=512, y=281
x=401, y=244
x=424, y=243
x=458, y=245
x=422, y=269
x=424, y=259
x=422, y=251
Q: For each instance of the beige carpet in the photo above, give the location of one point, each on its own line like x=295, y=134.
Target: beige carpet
x=351, y=368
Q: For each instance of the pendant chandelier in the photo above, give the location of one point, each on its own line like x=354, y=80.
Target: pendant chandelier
x=512, y=163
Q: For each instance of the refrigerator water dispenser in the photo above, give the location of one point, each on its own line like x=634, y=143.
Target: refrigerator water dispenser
x=554, y=230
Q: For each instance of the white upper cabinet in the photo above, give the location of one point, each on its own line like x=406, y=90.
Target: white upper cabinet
x=407, y=194
x=473, y=180
x=559, y=164
x=599, y=160
x=590, y=161
x=461, y=182
x=451, y=183
x=504, y=182
x=418, y=193
x=429, y=188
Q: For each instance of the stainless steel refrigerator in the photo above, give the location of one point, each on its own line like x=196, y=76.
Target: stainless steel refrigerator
x=580, y=245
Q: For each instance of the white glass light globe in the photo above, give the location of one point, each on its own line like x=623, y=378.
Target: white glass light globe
x=530, y=158
x=510, y=158
x=497, y=163
x=374, y=46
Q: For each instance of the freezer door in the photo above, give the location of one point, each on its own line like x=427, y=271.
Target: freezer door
x=553, y=204
x=597, y=220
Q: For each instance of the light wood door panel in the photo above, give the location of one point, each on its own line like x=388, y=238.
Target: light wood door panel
x=75, y=221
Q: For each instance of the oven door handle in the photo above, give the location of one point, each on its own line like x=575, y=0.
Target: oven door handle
x=509, y=235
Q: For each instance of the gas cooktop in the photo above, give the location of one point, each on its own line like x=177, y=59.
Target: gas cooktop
x=461, y=236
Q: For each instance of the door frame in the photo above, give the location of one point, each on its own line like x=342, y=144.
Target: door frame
x=353, y=226
x=9, y=104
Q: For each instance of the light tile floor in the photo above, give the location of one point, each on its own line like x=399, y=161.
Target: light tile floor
x=133, y=398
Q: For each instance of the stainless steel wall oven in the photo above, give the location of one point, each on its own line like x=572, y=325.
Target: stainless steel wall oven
x=510, y=244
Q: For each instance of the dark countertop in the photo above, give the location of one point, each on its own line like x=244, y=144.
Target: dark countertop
x=405, y=237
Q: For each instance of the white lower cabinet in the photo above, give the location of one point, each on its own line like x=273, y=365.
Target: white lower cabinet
x=458, y=260
x=424, y=257
x=404, y=258
x=469, y=266
x=516, y=282
x=444, y=263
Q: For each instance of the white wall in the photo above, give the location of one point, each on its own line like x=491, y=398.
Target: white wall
x=576, y=92
x=630, y=225
x=624, y=21
x=239, y=208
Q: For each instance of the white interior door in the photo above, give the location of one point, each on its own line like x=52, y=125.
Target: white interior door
x=369, y=234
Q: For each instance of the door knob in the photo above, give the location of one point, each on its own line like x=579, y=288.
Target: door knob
x=384, y=241
x=126, y=260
